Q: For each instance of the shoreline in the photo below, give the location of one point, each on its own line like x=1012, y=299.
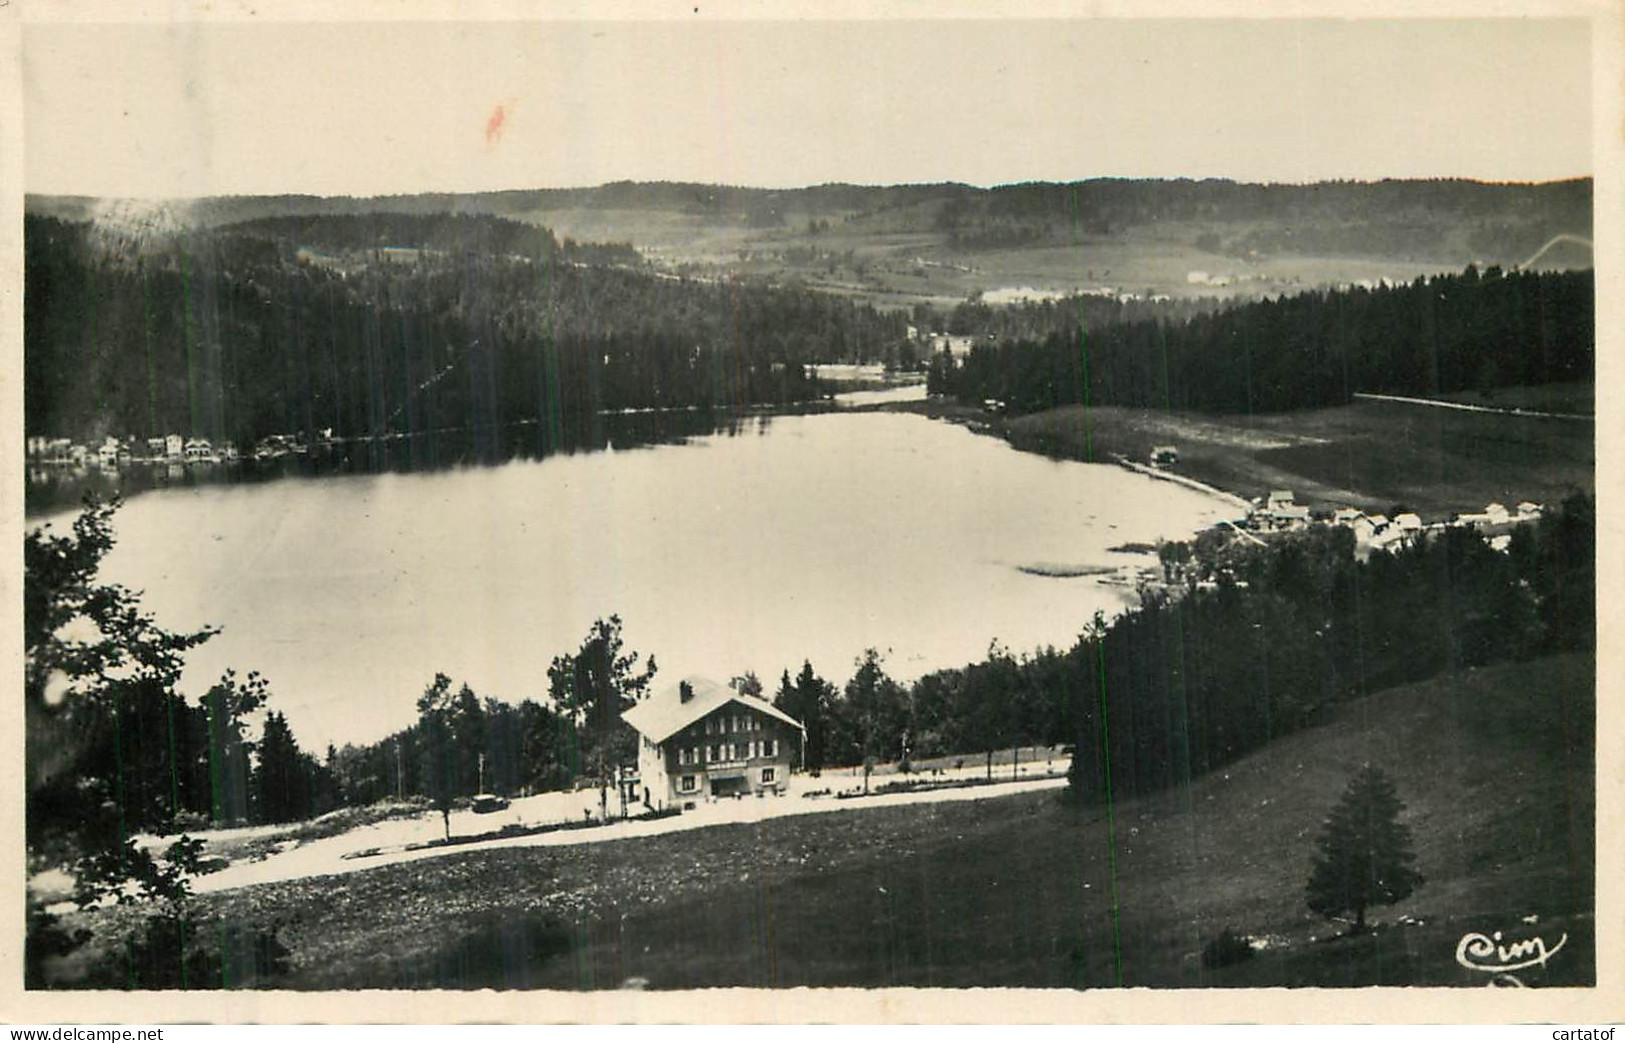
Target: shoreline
x=982, y=423
x=1190, y=483
x=1376, y=455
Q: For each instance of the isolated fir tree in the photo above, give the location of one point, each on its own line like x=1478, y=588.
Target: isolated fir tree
x=1365, y=852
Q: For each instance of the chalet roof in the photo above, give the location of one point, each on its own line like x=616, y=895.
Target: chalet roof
x=664, y=714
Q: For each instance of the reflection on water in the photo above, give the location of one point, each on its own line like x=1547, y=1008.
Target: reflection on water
x=55, y=486
x=805, y=537
x=880, y=396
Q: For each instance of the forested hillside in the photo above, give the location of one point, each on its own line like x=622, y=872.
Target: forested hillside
x=1445, y=334
x=382, y=325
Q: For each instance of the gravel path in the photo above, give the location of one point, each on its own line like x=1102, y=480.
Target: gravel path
x=329, y=855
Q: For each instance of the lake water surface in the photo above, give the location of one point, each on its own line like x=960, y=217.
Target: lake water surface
x=791, y=538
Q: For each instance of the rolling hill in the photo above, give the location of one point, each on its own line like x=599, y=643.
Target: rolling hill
x=937, y=244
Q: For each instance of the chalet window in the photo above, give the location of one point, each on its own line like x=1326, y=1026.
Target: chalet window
x=716, y=752
x=688, y=784
x=767, y=774
x=771, y=748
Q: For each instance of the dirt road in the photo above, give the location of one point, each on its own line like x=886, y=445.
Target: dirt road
x=339, y=854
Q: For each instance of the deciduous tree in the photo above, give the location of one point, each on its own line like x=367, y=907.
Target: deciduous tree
x=595, y=685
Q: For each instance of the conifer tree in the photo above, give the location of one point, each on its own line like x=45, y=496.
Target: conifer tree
x=1365, y=854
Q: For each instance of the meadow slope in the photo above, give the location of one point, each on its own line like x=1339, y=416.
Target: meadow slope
x=1496, y=766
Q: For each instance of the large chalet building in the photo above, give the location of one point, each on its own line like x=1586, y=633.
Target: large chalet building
x=699, y=740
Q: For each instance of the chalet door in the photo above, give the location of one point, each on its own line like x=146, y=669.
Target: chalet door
x=728, y=786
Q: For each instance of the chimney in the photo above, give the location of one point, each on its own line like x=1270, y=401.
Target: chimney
x=685, y=691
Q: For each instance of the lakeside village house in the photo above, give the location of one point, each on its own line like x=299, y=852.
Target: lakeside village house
x=172, y=449
x=1377, y=532
x=115, y=453
x=699, y=740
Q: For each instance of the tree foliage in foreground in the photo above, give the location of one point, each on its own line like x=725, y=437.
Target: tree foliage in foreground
x=113, y=750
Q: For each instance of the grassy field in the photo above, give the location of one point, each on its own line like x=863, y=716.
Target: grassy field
x=898, y=257
x=1547, y=398
x=1373, y=455
x=1496, y=766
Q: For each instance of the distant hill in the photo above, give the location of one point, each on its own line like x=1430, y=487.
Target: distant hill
x=905, y=244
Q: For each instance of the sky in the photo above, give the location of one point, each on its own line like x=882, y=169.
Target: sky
x=178, y=111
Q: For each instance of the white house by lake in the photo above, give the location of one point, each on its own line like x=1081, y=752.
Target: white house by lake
x=699, y=740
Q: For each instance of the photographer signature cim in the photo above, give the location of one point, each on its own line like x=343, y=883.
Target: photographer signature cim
x=1488, y=954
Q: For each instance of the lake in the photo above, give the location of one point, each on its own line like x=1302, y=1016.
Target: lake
x=771, y=540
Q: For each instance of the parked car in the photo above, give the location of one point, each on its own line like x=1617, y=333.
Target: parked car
x=485, y=803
